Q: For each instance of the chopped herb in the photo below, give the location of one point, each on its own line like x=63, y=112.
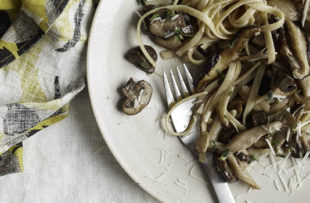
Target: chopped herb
x=253, y=157
x=281, y=155
x=225, y=116
x=233, y=43
x=142, y=2
x=220, y=80
x=220, y=72
x=270, y=97
x=222, y=76
x=212, y=144
x=270, y=135
x=276, y=141
x=230, y=93
x=178, y=35
x=156, y=15
x=145, y=65
x=170, y=14
x=224, y=155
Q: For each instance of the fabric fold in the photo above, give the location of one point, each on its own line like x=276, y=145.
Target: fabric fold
x=42, y=68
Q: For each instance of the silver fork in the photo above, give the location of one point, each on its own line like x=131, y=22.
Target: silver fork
x=181, y=118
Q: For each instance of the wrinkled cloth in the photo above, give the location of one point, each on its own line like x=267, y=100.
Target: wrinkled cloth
x=42, y=68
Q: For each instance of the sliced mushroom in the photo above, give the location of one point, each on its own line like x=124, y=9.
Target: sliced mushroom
x=241, y=156
x=136, y=57
x=279, y=105
x=146, y=9
x=164, y=24
x=170, y=29
x=261, y=143
x=286, y=52
x=247, y=138
x=299, y=45
x=170, y=43
x=240, y=172
x=136, y=96
x=161, y=29
x=258, y=152
x=295, y=147
x=284, y=85
x=262, y=106
x=226, y=135
x=230, y=54
x=286, y=147
x=165, y=27
x=285, y=117
x=278, y=139
x=238, y=106
x=223, y=168
x=295, y=50
x=147, y=20
x=259, y=118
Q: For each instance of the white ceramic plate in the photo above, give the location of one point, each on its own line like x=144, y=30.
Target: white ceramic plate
x=157, y=162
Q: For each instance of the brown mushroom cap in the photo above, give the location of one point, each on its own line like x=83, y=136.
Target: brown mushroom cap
x=164, y=27
x=136, y=96
x=136, y=57
x=164, y=24
x=169, y=29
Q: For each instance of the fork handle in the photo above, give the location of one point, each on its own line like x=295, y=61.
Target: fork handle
x=221, y=188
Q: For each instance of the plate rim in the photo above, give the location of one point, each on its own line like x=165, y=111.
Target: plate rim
x=91, y=89
x=94, y=108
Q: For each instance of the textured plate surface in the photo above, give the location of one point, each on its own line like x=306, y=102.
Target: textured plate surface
x=157, y=162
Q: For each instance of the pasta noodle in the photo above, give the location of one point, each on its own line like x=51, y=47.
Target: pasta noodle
x=248, y=94
x=254, y=90
x=212, y=17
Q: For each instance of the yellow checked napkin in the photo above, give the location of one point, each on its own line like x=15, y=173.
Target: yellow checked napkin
x=42, y=67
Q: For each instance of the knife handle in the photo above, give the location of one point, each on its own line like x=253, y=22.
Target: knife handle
x=221, y=188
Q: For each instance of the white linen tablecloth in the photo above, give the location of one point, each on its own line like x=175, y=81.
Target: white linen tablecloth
x=70, y=162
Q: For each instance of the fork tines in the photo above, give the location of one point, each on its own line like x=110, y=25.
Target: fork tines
x=186, y=89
